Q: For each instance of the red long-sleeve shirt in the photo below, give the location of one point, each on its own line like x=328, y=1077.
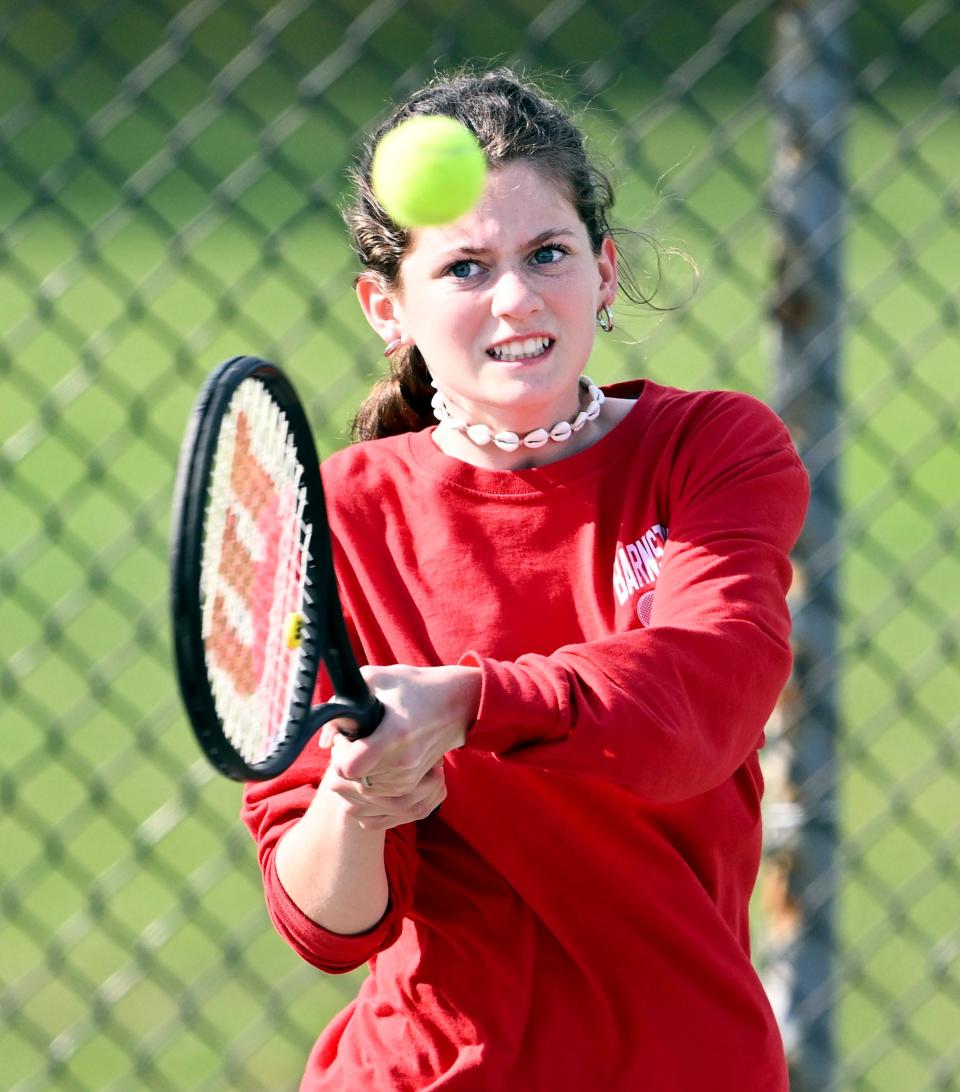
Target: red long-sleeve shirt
x=576, y=915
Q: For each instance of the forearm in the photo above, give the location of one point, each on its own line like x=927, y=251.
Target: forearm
x=669, y=714
x=332, y=868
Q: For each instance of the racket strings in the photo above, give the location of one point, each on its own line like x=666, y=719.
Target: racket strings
x=253, y=573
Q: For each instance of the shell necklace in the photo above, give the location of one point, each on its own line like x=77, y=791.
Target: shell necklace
x=482, y=434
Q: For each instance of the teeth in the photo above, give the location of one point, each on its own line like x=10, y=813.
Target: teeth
x=517, y=350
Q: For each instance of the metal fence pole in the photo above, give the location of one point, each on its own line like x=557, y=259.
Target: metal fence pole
x=809, y=83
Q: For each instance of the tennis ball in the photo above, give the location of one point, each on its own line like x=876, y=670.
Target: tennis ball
x=428, y=170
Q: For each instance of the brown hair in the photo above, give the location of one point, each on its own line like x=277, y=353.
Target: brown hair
x=512, y=121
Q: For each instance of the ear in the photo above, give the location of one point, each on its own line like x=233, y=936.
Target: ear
x=607, y=269
x=379, y=306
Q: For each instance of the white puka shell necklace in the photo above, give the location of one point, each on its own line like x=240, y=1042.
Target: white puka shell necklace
x=482, y=435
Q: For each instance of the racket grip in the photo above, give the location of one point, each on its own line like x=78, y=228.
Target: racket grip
x=366, y=719
x=365, y=715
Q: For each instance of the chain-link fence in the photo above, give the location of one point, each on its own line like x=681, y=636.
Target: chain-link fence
x=169, y=189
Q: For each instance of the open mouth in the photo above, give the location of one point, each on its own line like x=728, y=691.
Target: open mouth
x=528, y=348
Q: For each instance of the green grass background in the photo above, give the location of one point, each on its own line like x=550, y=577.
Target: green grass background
x=169, y=192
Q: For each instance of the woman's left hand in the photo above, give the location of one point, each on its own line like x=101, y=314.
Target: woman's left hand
x=373, y=809
x=427, y=712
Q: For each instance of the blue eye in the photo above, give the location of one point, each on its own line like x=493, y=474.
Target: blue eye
x=547, y=255
x=462, y=269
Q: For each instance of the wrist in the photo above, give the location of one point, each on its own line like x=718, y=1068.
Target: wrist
x=332, y=868
x=465, y=700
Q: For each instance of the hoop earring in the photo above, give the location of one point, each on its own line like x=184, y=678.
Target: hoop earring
x=392, y=346
x=605, y=319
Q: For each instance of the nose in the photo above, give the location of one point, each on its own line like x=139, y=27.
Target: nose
x=514, y=296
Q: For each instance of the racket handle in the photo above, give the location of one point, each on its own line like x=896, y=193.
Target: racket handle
x=365, y=715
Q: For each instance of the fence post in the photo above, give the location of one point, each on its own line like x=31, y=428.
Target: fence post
x=809, y=85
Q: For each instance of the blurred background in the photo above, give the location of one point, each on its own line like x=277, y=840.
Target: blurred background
x=169, y=196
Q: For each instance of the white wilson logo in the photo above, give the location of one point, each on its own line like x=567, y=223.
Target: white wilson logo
x=636, y=565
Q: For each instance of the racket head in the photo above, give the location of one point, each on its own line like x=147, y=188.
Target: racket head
x=251, y=562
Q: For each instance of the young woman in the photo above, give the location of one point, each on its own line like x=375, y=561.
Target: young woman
x=572, y=604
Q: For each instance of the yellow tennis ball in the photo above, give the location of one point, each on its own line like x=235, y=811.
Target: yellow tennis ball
x=428, y=170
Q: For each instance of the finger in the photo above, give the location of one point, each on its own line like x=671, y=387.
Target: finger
x=367, y=804
x=358, y=758
x=342, y=726
x=388, y=793
x=411, y=814
x=403, y=787
x=400, y=772
x=419, y=802
x=367, y=799
x=387, y=786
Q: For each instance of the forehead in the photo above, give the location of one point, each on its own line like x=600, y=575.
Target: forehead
x=519, y=202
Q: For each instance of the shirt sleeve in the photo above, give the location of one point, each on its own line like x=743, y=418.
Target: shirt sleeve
x=672, y=710
x=269, y=809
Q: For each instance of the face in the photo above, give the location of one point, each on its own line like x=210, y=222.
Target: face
x=502, y=304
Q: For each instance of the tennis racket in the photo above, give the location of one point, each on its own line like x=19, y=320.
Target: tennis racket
x=254, y=598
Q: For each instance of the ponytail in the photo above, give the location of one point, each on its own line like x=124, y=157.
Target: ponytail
x=400, y=402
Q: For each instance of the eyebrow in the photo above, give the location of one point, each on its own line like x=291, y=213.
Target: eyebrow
x=551, y=233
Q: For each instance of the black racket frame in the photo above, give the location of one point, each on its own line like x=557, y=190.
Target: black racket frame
x=324, y=635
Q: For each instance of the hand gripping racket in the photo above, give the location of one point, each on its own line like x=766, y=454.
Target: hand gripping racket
x=254, y=597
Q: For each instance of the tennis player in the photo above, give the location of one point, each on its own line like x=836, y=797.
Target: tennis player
x=571, y=602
